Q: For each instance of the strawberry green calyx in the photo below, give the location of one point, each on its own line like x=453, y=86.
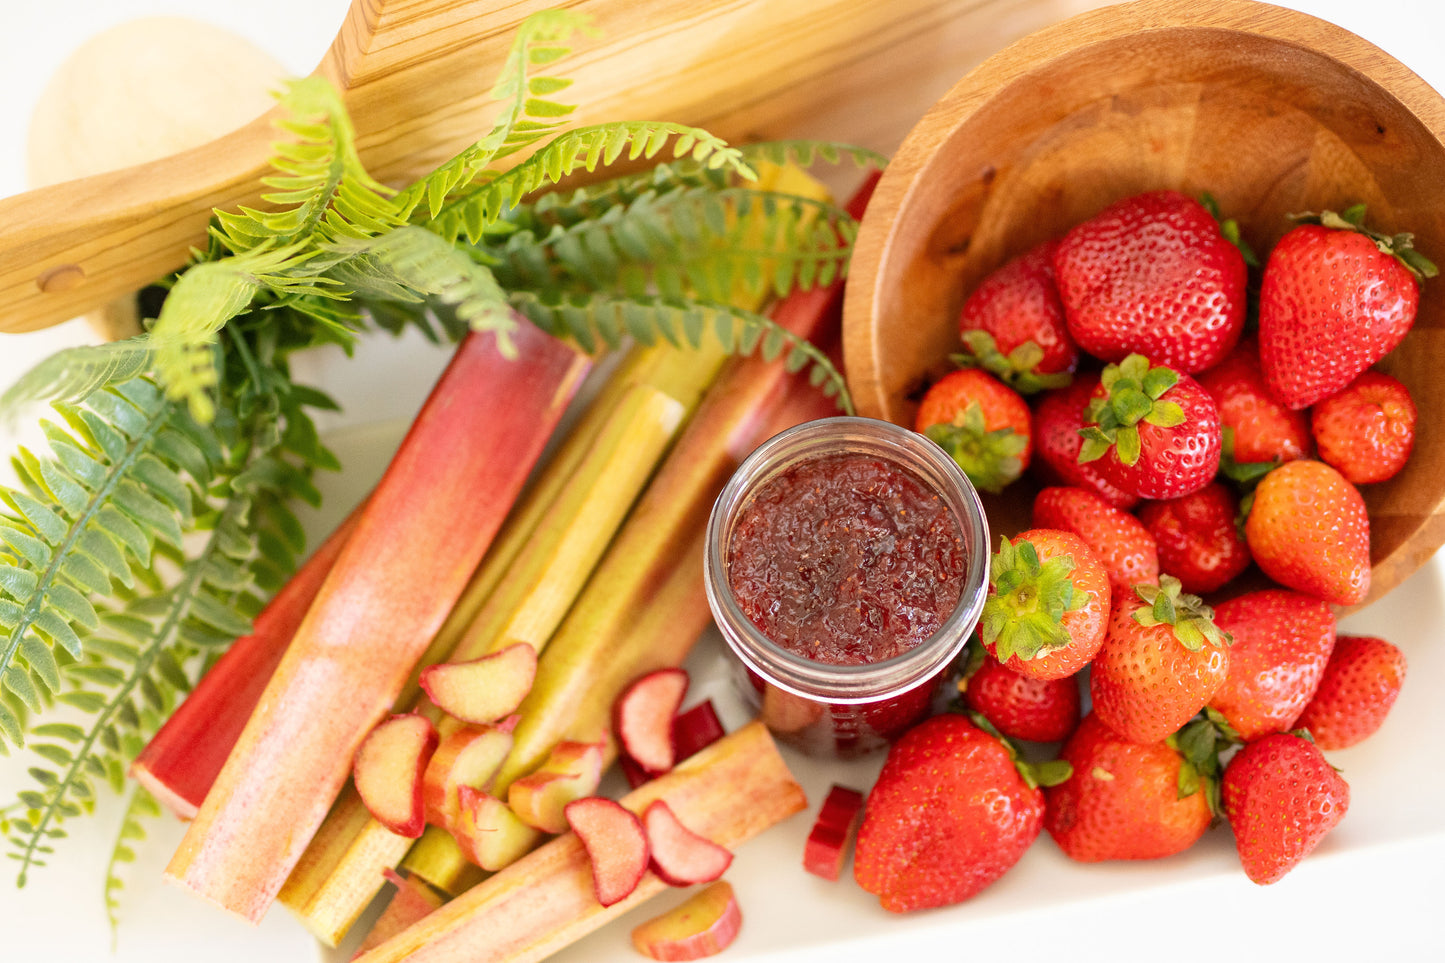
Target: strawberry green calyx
x=1201, y=741
x=1018, y=369
x=1135, y=389
x=1049, y=772
x=1193, y=621
x=1024, y=613
x=1399, y=246
x=1229, y=227
x=1246, y=473
x=990, y=459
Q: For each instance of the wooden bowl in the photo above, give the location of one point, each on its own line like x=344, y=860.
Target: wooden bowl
x=1270, y=110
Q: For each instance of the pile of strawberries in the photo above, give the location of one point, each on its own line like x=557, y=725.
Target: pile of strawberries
x=1189, y=426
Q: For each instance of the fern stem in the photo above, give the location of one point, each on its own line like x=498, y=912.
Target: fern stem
x=137, y=447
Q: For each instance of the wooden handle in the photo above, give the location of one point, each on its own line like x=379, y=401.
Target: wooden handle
x=415, y=74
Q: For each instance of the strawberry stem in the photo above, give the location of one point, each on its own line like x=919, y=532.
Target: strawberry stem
x=1193, y=621
x=1024, y=613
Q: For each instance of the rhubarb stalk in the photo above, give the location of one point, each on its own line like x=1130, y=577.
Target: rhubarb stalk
x=728, y=793
x=415, y=546
x=180, y=763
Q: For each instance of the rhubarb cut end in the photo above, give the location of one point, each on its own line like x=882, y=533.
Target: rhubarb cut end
x=483, y=690
x=644, y=714
x=680, y=857
x=616, y=846
x=704, y=925
x=827, y=847
x=388, y=772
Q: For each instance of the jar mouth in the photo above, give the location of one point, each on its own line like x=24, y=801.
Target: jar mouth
x=829, y=682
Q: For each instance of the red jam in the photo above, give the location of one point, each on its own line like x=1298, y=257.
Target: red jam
x=846, y=559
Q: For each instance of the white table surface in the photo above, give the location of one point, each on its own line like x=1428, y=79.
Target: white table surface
x=1373, y=891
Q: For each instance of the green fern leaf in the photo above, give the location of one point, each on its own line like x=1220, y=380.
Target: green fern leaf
x=74, y=373
x=141, y=806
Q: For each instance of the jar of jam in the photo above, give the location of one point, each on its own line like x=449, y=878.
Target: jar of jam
x=846, y=565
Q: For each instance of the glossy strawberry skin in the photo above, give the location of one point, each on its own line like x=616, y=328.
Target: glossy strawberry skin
x=1122, y=801
x=1145, y=684
x=1058, y=417
x=1282, y=797
x=1002, y=408
x=1308, y=530
x=1331, y=304
x=1262, y=429
x=947, y=817
x=1018, y=303
x=1360, y=684
x=1121, y=541
x=1197, y=537
x=1153, y=274
x=1021, y=707
x=1367, y=429
x=1282, y=641
x=1173, y=461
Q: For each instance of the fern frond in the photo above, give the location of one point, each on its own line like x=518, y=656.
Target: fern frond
x=141, y=806
x=72, y=374
x=594, y=319
x=470, y=213
x=527, y=113
x=808, y=153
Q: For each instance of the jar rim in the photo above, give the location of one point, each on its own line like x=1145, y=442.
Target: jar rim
x=833, y=683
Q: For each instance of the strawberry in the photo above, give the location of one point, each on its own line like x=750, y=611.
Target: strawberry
x=1048, y=604
x=1154, y=431
x=1124, y=799
x=1198, y=537
x=1335, y=299
x=1367, y=429
x=1012, y=325
x=1308, y=530
x=1019, y=706
x=1282, y=641
x=982, y=423
x=1281, y=797
x=1120, y=540
x=950, y=813
x=1058, y=419
x=1153, y=274
x=1359, y=686
x=1258, y=432
x=1161, y=661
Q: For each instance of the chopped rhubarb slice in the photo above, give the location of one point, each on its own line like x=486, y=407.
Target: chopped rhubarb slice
x=704, y=925
x=412, y=900
x=827, y=845
x=616, y=846
x=644, y=714
x=680, y=856
x=486, y=689
x=468, y=756
x=488, y=832
x=388, y=772
x=572, y=771
x=692, y=731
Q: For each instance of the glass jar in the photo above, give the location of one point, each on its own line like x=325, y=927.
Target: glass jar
x=826, y=708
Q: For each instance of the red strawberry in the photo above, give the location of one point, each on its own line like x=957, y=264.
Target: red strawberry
x=980, y=421
x=949, y=814
x=1335, y=299
x=1058, y=419
x=1257, y=431
x=1161, y=662
x=1020, y=707
x=1048, y=604
x=1153, y=274
x=1367, y=430
x=1154, y=432
x=1198, y=537
x=1360, y=684
x=1308, y=530
x=1120, y=540
x=1282, y=641
x=1282, y=797
x=1012, y=324
x=1124, y=799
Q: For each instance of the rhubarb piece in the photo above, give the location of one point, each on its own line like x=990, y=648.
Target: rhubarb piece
x=692, y=731
x=410, y=900
x=469, y=756
x=572, y=771
x=416, y=544
x=729, y=792
x=388, y=771
x=704, y=925
x=616, y=846
x=643, y=717
x=679, y=855
x=833, y=832
x=180, y=763
x=488, y=832
x=483, y=690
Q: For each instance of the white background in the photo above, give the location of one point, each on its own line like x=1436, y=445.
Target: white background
x=1373, y=891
